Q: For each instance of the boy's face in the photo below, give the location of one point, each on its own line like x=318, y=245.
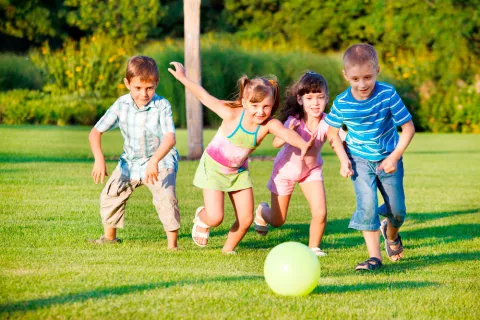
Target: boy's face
x=142, y=91
x=362, y=79
x=313, y=103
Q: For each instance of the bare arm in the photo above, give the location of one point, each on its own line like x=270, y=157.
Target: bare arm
x=214, y=104
x=278, y=142
x=168, y=142
x=289, y=136
x=337, y=146
x=99, y=168
x=389, y=164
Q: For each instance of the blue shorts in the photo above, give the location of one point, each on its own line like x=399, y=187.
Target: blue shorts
x=366, y=179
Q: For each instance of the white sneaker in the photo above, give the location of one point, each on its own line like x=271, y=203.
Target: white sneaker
x=318, y=252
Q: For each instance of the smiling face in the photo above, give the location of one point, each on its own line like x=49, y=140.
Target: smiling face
x=142, y=91
x=259, y=111
x=362, y=78
x=313, y=103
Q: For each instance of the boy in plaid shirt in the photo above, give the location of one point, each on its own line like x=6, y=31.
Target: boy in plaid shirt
x=149, y=156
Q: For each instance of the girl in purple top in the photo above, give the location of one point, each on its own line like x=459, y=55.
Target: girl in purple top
x=303, y=112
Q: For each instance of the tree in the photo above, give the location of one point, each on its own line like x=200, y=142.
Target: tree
x=191, y=9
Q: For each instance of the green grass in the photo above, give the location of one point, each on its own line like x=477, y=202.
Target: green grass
x=49, y=208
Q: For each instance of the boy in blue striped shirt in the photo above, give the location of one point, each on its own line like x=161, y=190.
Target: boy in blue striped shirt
x=372, y=111
x=149, y=156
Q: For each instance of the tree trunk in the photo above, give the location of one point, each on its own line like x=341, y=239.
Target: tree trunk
x=191, y=12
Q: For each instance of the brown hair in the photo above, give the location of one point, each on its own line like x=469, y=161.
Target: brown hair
x=143, y=67
x=256, y=90
x=359, y=54
x=309, y=82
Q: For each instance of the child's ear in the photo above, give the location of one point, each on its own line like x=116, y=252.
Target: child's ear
x=345, y=75
x=127, y=84
x=299, y=100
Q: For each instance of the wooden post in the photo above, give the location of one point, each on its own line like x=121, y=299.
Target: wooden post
x=191, y=13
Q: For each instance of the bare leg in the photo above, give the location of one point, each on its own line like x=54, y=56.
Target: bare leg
x=372, y=240
x=110, y=233
x=172, y=237
x=277, y=214
x=242, y=201
x=314, y=192
x=212, y=214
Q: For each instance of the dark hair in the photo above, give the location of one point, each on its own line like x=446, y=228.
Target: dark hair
x=309, y=82
x=256, y=90
x=359, y=54
x=143, y=67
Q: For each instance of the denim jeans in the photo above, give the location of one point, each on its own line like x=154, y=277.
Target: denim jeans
x=366, y=179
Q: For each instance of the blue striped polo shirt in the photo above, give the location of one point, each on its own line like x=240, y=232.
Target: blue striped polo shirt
x=142, y=131
x=371, y=123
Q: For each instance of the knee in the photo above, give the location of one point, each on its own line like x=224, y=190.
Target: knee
x=213, y=219
x=319, y=217
x=277, y=223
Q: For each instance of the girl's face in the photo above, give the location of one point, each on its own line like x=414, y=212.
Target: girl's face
x=259, y=111
x=313, y=103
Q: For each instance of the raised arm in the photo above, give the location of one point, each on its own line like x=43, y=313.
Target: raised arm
x=209, y=101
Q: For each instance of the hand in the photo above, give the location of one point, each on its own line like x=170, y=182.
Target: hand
x=151, y=173
x=307, y=146
x=389, y=165
x=293, y=124
x=99, y=171
x=346, y=169
x=179, y=72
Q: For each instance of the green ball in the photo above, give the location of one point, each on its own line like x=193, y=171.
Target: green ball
x=292, y=269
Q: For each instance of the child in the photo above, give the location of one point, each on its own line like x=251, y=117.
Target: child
x=303, y=110
x=149, y=156
x=224, y=164
x=372, y=110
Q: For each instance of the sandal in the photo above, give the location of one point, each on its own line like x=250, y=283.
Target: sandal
x=104, y=240
x=318, y=252
x=371, y=264
x=199, y=223
x=391, y=252
x=262, y=227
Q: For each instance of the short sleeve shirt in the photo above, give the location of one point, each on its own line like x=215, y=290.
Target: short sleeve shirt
x=371, y=123
x=143, y=131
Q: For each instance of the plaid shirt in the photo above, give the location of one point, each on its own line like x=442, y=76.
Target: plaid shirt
x=142, y=131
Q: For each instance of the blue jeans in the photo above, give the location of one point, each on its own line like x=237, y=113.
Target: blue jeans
x=366, y=179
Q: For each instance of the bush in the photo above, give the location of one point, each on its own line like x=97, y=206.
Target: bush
x=18, y=72
x=92, y=66
x=36, y=107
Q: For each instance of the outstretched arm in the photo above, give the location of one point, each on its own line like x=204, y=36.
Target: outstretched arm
x=278, y=142
x=99, y=168
x=214, y=104
x=389, y=164
x=337, y=146
x=289, y=136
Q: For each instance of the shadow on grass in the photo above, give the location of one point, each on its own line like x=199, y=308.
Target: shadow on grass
x=102, y=293
x=421, y=217
x=418, y=262
x=326, y=289
x=7, y=158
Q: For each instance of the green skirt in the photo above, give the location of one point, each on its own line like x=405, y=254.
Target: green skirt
x=209, y=176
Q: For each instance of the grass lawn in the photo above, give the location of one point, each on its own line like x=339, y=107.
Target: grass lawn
x=49, y=208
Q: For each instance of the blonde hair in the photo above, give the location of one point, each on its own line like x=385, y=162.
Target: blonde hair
x=359, y=54
x=143, y=67
x=256, y=90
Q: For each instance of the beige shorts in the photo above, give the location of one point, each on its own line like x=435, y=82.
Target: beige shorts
x=117, y=191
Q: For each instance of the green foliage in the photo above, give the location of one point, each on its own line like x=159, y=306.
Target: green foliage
x=91, y=66
x=31, y=19
x=36, y=107
x=117, y=19
x=18, y=72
